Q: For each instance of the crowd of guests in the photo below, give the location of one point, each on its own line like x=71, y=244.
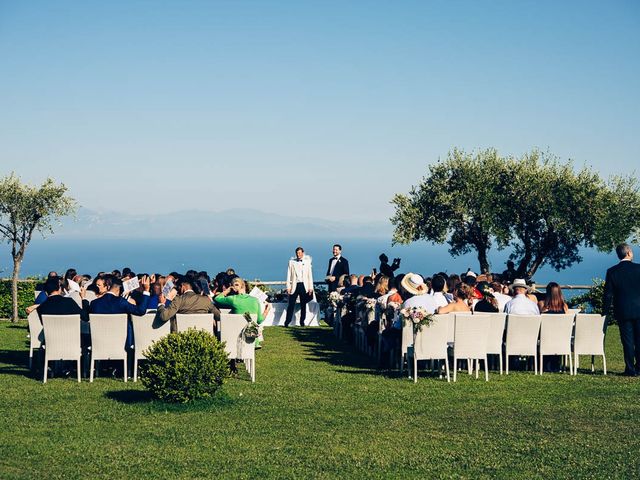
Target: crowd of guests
x=440, y=293
x=105, y=293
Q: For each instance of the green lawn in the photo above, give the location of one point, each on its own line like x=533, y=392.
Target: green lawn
x=318, y=410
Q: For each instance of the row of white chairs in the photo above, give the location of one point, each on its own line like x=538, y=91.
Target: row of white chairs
x=474, y=336
x=59, y=337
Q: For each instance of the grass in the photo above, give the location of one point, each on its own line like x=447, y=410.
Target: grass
x=319, y=410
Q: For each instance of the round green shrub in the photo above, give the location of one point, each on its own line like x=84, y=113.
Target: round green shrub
x=185, y=366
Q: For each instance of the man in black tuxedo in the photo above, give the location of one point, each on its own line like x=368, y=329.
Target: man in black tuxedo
x=338, y=266
x=622, y=290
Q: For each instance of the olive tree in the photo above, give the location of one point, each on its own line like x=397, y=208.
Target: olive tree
x=455, y=203
x=25, y=209
x=542, y=208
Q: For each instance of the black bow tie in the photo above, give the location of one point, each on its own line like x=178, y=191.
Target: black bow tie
x=298, y=259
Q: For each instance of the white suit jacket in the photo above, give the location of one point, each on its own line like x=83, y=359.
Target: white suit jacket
x=307, y=277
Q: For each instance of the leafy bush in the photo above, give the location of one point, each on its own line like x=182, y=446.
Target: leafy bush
x=26, y=290
x=592, y=300
x=185, y=366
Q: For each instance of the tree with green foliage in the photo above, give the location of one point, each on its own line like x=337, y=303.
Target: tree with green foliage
x=25, y=209
x=542, y=208
x=455, y=204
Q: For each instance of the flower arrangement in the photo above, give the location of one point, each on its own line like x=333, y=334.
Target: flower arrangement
x=251, y=331
x=334, y=298
x=418, y=317
x=370, y=303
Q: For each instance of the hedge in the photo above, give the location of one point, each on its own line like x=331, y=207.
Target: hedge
x=26, y=289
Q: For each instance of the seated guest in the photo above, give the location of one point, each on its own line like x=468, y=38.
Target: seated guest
x=500, y=297
x=414, y=285
x=353, y=287
x=382, y=286
x=367, y=289
x=452, y=283
x=488, y=304
x=553, y=301
x=240, y=302
x=188, y=301
x=520, y=303
x=156, y=291
x=396, y=294
x=42, y=296
x=439, y=285
x=112, y=303
x=461, y=297
x=58, y=304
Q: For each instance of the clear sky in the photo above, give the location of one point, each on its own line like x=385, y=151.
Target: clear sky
x=313, y=108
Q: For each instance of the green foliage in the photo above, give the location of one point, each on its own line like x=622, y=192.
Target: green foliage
x=185, y=366
x=26, y=296
x=322, y=297
x=542, y=208
x=455, y=203
x=592, y=300
x=25, y=209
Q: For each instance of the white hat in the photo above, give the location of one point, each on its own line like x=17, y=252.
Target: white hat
x=413, y=283
x=519, y=282
x=470, y=274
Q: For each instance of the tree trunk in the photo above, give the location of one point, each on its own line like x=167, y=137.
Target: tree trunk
x=482, y=259
x=535, y=265
x=14, y=288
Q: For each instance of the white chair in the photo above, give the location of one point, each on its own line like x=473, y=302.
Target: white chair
x=497, y=322
x=470, y=341
x=108, y=338
x=146, y=330
x=430, y=343
x=62, y=340
x=589, y=339
x=406, y=340
x=231, y=326
x=36, y=335
x=522, y=338
x=555, y=336
x=199, y=321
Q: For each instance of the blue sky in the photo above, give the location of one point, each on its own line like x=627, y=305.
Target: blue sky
x=310, y=108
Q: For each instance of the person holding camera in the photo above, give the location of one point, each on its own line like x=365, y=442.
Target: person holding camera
x=386, y=269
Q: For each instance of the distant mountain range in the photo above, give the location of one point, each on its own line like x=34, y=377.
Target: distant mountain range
x=203, y=224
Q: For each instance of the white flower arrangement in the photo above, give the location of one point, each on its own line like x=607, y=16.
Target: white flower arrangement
x=418, y=317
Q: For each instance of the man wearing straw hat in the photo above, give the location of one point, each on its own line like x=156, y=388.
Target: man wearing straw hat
x=520, y=304
x=414, y=285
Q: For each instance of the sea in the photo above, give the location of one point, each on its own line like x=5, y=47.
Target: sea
x=266, y=259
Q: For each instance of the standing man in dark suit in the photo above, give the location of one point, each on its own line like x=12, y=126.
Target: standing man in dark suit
x=622, y=290
x=338, y=266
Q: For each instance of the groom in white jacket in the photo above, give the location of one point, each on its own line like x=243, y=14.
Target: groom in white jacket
x=299, y=284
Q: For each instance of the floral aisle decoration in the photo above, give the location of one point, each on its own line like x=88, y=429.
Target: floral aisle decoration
x=251, y=331
x=418, y=317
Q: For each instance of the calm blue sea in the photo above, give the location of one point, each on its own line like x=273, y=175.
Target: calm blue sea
x=264, y=259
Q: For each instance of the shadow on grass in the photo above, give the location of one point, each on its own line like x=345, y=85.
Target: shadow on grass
x=145, y=399
x=15, y=362
x=323, y=346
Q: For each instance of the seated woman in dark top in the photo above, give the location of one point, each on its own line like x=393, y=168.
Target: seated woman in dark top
x=488, y=303
x=553, y=301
